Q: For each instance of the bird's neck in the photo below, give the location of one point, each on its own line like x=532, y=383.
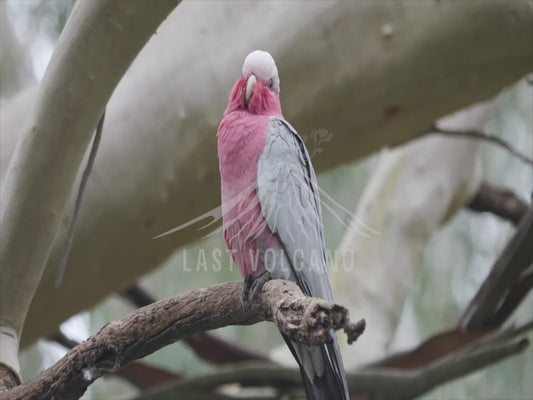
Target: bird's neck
x=263, y=101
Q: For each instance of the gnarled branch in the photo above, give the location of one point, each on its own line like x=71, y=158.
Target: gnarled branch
x=150, y=328
x=205, y=345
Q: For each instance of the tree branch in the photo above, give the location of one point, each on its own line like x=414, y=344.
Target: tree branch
x=373, y=381
x=515, y=295
x=79, y=198
x=62, y=339
x=100, y=40
x=205, y=345
x=393, y=384
x=474, y=134
x=284, y=379
x=500, y=201
x=137, y=373
x=150, y=328
x=514, y=260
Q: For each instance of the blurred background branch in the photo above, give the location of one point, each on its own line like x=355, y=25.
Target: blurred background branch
x=472, y=134
x=500, y=201
x=489, y=307
x=374, y=381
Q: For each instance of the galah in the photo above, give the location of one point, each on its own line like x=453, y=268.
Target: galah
x=271, y=210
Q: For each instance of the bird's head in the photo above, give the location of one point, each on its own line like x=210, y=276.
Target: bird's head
x=258, y=89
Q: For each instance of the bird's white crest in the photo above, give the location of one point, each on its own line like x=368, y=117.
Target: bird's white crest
x=261, y=64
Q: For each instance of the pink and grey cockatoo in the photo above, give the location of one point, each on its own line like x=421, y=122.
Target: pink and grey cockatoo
x=271, y=210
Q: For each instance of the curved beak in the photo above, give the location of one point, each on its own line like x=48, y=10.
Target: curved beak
x=252, y=80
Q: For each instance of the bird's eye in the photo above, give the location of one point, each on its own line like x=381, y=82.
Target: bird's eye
x=270, y=84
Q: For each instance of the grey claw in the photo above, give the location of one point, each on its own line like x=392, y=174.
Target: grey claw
x=252, y=286
x=247, y=284
x=257, y=284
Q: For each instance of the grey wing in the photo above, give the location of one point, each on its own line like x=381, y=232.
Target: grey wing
x=288, y=193
x=290, y=203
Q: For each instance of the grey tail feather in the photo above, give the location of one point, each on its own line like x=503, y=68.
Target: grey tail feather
x=332, y=385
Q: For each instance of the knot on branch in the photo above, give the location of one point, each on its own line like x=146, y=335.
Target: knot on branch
x=353, y=331
x=306, y=319
x=309, y=320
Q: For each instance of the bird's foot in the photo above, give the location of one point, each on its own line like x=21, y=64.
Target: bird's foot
x=252, y=286
x=246, y=285
x=257, y=284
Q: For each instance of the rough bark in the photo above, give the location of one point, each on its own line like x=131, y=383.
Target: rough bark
x=206, y=345
x=137, y=373
x=150, y=328
x=99, y=41
x=357, y=69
